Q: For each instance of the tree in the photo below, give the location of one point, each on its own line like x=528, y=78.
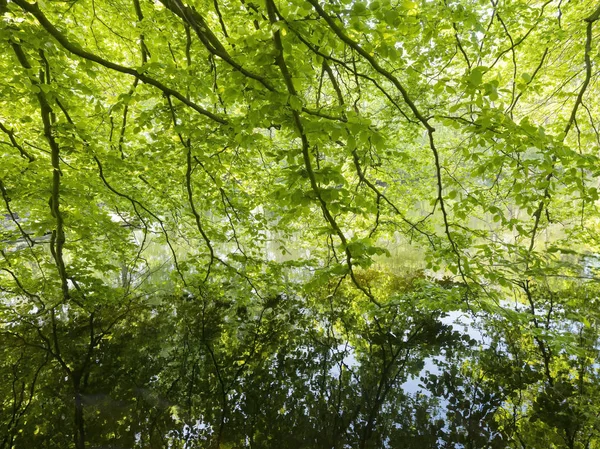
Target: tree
x=200, y=201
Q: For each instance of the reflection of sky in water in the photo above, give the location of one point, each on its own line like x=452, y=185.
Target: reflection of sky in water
x=460, y=322
x=349, y=359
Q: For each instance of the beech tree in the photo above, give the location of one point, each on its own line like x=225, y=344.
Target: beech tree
x=250, y=224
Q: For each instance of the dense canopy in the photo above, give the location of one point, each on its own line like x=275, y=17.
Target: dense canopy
x=299, y=224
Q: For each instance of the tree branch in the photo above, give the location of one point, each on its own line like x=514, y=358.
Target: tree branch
x=77, y=50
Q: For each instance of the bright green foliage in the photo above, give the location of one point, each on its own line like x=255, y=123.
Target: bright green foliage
x=209, y=207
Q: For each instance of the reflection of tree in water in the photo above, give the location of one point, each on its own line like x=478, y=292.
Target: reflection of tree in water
x=203, y=370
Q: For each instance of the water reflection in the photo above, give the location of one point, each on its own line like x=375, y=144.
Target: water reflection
x=212, y=370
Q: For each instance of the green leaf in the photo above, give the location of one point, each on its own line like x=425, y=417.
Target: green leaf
x=295, y=103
